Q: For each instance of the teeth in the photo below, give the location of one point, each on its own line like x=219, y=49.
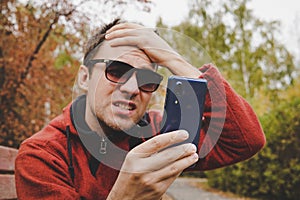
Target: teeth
x=124, y=106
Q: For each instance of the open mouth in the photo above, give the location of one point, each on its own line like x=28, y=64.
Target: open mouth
x=125, y=106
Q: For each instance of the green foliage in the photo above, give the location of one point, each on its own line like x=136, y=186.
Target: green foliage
x=274, y=172
x=243, y=47
x=63, y=59
x=261, y=69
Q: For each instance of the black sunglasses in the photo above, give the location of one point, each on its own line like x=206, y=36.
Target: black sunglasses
x=119, y=72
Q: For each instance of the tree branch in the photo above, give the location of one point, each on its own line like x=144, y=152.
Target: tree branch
x=40, y=44
x=37, y=49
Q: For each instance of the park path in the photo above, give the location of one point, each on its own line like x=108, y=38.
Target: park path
x=182, y=189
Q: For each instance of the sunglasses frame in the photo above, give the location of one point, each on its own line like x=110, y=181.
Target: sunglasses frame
x=107, y=62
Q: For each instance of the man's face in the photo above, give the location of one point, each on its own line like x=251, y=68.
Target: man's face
x=119, y=106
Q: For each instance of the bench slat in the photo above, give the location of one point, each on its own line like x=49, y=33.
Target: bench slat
x=7, y=158
x=7, y=186
x=7, y=177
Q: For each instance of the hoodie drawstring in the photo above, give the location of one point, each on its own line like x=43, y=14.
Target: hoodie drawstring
x=69, y=146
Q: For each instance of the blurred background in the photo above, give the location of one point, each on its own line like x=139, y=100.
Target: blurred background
x=255, y=44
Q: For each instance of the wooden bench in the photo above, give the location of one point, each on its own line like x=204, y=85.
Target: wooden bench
x=7, y=177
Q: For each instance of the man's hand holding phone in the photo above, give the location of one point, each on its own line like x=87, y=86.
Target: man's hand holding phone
x=150, y=168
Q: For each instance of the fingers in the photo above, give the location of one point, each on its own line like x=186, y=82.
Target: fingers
x=153, y=155
x=160, y=142
x=171, y=155
x=123, y=41
x=120, y=33
x=174, y=169
x=133, y=37
x=167, y=176
x=129, y=34
x=116, y=33
x=163, y=178
x=123, y=30
x=122, y=26
x=160, y=160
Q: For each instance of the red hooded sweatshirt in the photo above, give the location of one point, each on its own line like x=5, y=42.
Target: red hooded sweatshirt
x=55, y=164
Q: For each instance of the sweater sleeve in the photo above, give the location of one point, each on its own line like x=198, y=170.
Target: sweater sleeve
x=42, y=173
x=230, y=130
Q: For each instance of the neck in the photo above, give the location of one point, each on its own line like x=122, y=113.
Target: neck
x=112, y=134
x=101, y=128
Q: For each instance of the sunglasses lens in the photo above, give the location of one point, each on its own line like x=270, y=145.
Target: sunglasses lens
x=150, y=87
x=148, y=81
x=117, y=72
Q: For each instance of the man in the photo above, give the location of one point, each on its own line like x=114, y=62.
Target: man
x=96, y=148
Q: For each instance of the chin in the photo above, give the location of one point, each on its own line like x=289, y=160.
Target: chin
x=124, y=127
x=121, y=124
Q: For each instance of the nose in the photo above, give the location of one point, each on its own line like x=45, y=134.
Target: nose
x=130, y=86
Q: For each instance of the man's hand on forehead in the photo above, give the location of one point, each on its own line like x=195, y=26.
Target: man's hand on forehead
x=144, y=38
x=157, y=49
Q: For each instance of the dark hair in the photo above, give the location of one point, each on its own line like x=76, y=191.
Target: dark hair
x=95, y=41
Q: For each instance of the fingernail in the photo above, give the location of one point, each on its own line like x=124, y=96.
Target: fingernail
x=194, y=148
x=106, y=36
x=195, y=156
x=184, y=134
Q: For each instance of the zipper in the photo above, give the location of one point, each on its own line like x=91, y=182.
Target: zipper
x=103, y=146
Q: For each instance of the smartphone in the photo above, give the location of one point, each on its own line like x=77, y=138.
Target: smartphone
x=184, y=105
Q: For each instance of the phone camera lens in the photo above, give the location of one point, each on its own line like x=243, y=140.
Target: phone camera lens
x=178, y=83
x=178, y=89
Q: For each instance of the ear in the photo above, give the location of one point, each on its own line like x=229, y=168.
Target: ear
x=83, y=78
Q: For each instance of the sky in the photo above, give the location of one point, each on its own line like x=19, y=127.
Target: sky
x=284, y=11
x=174, y=11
